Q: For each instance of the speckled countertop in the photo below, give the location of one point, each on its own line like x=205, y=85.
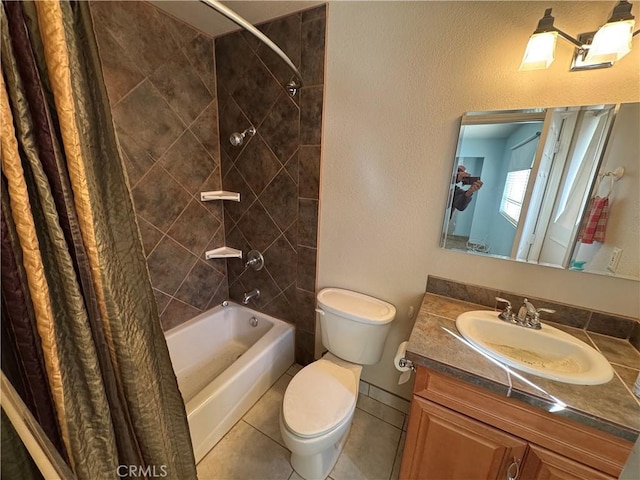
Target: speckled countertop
x=611, y=407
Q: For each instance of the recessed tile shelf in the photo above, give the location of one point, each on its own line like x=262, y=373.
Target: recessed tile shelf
x=223, y=252
x=219, y=195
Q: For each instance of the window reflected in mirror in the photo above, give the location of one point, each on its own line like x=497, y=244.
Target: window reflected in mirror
x=536, y=186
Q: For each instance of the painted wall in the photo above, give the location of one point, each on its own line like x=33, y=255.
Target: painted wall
x=398, y=78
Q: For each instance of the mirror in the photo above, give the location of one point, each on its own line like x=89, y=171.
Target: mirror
x=557, y=187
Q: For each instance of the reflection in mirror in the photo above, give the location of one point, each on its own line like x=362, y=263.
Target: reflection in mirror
x=547, y=192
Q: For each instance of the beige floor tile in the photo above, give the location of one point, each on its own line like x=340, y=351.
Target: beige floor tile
x=293, y=369
x=295, y=476
x=370, y=450
x=395, y=474
x=265, y=414
x=245, y=454
x=381, y=411
x=389, y=399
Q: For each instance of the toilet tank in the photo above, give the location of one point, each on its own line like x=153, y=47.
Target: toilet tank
x=354, y=326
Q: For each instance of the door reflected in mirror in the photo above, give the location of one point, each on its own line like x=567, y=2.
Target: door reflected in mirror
x=538, y=186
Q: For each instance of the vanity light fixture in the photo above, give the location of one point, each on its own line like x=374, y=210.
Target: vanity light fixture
x=593, y=49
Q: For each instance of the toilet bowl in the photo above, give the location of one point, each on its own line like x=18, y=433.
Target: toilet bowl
x=316, y=414
x=320, y=400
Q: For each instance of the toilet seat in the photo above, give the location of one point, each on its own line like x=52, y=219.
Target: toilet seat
x=319, y=399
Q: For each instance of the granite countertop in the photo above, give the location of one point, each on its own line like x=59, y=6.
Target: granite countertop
x=611, y=407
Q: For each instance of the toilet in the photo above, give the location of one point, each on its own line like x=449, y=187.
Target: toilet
x=320, y=400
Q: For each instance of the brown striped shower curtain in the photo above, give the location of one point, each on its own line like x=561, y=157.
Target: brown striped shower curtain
x=81, y=338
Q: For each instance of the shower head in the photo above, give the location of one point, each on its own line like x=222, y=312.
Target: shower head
x=237, y=139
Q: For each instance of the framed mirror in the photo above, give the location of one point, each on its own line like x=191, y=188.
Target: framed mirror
x=550, y=186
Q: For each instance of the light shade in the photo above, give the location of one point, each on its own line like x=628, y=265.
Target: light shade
x=611, y=42
x=540, y=51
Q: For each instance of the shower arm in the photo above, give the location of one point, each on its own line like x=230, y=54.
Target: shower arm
x=292, y=86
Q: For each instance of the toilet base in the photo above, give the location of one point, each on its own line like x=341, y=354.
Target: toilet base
x=318, y=466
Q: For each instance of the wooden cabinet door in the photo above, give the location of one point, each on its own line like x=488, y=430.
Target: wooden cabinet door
x=542, y=464
x=445, y=445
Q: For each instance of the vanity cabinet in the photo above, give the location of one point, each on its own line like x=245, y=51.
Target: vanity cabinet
x=460, y=431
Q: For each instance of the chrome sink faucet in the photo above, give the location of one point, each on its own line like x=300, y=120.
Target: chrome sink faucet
x=248, y=296
x=528, y=315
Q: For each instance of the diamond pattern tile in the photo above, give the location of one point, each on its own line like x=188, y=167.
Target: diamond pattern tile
x=176, y=313
x=257, y=164
x=177, y=97
x=232, y=60
x=201, y=48
x=284, y=32
x=257, y=91
x=168, y=265
x=234, y=182
x=280, y=261
x=148, y=119
x=136, y=160
x=236, y=239
x=282, y=221
x=205, y=128
x=138, y=28
x=159, y=199
x=200, y=285
x=280, y=129
x=194, y=239
x=160, y=76
x=180, y=31
x=121, y=74
x=258, y=228
x=181, y=87
x=188, y=162
x=150, y=235
x=280, y=199
x=292, y=166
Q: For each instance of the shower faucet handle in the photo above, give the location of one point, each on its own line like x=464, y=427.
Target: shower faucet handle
x=255, y=260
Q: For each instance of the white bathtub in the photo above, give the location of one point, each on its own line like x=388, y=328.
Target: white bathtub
x=224, y=365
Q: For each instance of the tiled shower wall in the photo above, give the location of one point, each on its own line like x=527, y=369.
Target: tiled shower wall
x=160, y=77
x=277, y=170
x=166, y=100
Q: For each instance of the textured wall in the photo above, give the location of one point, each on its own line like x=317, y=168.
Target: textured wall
x=277, y=170
x=399, y=76
x=160, y=78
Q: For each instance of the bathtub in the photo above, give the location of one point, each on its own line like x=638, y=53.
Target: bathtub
x=224, y=364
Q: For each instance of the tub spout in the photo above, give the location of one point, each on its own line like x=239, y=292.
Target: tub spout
x=248, y=296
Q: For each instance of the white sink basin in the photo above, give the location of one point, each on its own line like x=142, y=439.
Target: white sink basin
x=548, y=352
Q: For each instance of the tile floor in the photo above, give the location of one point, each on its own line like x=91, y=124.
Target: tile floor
x=253, y=448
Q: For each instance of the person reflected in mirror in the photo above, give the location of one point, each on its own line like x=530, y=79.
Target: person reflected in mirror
x=461, y=197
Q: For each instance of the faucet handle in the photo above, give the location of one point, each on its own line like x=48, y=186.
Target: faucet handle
x=503, y=300
x=506, y=314
x=529, y=306
x=546, y=310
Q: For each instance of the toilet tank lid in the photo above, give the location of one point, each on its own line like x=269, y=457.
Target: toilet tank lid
x=356, y=306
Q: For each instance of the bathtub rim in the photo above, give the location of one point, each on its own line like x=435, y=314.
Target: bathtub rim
x=279, y=328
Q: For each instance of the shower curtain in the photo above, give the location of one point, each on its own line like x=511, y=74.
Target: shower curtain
x=81, y=338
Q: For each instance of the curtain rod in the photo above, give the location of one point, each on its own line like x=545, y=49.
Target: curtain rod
x=524, y=142
x=293, y=86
